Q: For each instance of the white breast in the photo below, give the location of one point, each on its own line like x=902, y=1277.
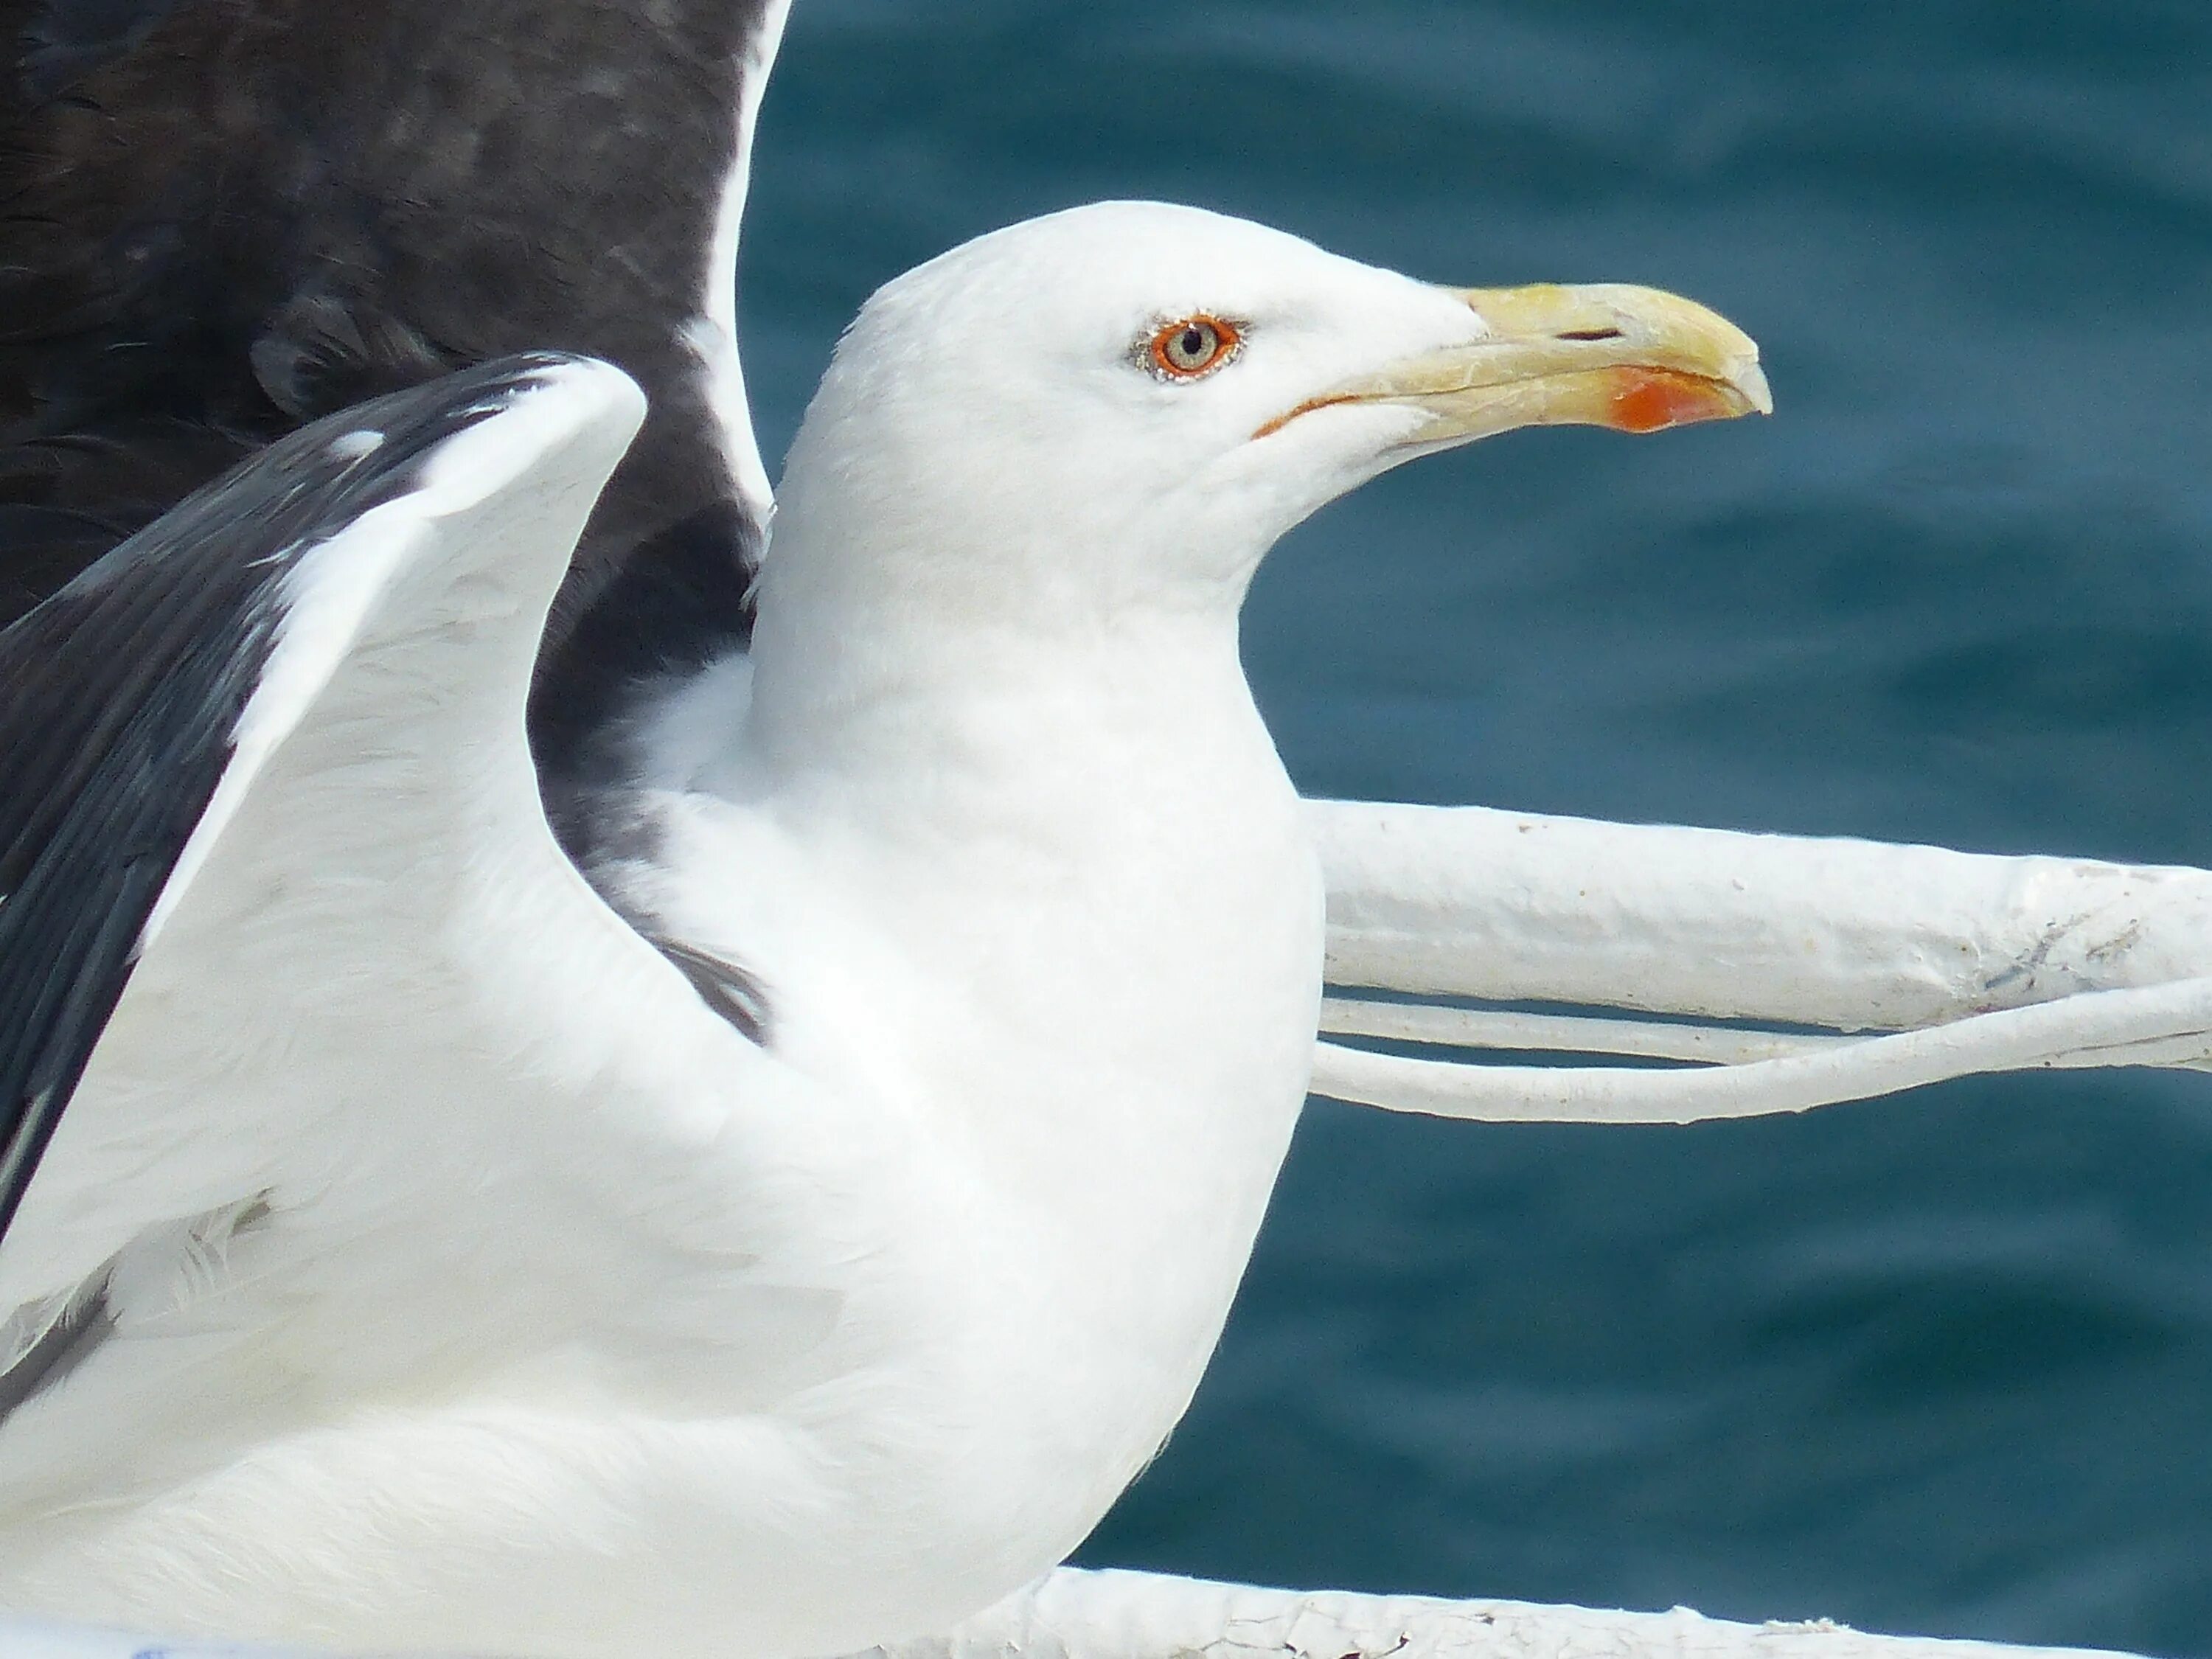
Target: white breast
x=1084, y=1005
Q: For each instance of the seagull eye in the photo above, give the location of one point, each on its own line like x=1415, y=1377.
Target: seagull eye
x=1191, y=346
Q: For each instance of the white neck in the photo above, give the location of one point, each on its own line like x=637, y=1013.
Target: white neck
x=1092, y=918
x=1088, y=834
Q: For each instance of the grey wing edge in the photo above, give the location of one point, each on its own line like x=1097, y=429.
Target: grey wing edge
x=121, y=700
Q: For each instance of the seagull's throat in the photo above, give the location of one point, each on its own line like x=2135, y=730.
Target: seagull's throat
x=984, y=667
x=1081, y=844
x=1055, y=898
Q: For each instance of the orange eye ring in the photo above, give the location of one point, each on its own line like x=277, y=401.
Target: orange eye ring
x=1192, y=347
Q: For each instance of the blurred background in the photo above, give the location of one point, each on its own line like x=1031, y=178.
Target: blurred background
x=1939, y=1364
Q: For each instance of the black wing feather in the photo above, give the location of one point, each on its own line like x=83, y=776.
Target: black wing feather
x=62, y=41
x=119, y=697
x=221, y=218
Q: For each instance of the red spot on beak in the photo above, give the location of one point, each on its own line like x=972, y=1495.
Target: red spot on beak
x=1653, y=399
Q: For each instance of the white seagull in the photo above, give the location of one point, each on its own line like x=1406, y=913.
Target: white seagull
x=779, y=1213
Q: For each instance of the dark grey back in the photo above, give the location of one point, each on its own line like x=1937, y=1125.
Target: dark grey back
x=220, y=219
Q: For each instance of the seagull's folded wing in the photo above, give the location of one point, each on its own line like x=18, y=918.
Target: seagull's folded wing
x=270, y=828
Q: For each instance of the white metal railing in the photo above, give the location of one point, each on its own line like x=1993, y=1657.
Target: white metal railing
x=1797, y=971
x=1073, y=1615
x=1070, y=1614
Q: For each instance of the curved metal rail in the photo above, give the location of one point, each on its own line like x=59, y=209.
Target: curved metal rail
x=1797, y=971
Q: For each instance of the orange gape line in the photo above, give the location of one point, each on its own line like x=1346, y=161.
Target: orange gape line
x=1269, y=428
x=1652, y=399
x=1640, y=400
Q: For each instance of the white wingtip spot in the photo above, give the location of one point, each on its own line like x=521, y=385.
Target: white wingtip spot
x=355, y=446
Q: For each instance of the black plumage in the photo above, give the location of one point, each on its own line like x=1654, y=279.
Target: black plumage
x=221, y=218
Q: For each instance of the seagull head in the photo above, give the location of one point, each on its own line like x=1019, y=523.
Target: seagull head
x=1066, y=433
x=1127, y=403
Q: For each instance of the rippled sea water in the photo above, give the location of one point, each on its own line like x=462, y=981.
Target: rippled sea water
x=1942, y=1362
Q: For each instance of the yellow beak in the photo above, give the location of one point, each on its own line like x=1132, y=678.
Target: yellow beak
x=1634, y=359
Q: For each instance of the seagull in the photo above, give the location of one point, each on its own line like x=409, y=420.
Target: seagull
x=542, y=1121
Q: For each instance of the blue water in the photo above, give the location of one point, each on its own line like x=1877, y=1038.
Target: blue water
x=1939, y=1364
